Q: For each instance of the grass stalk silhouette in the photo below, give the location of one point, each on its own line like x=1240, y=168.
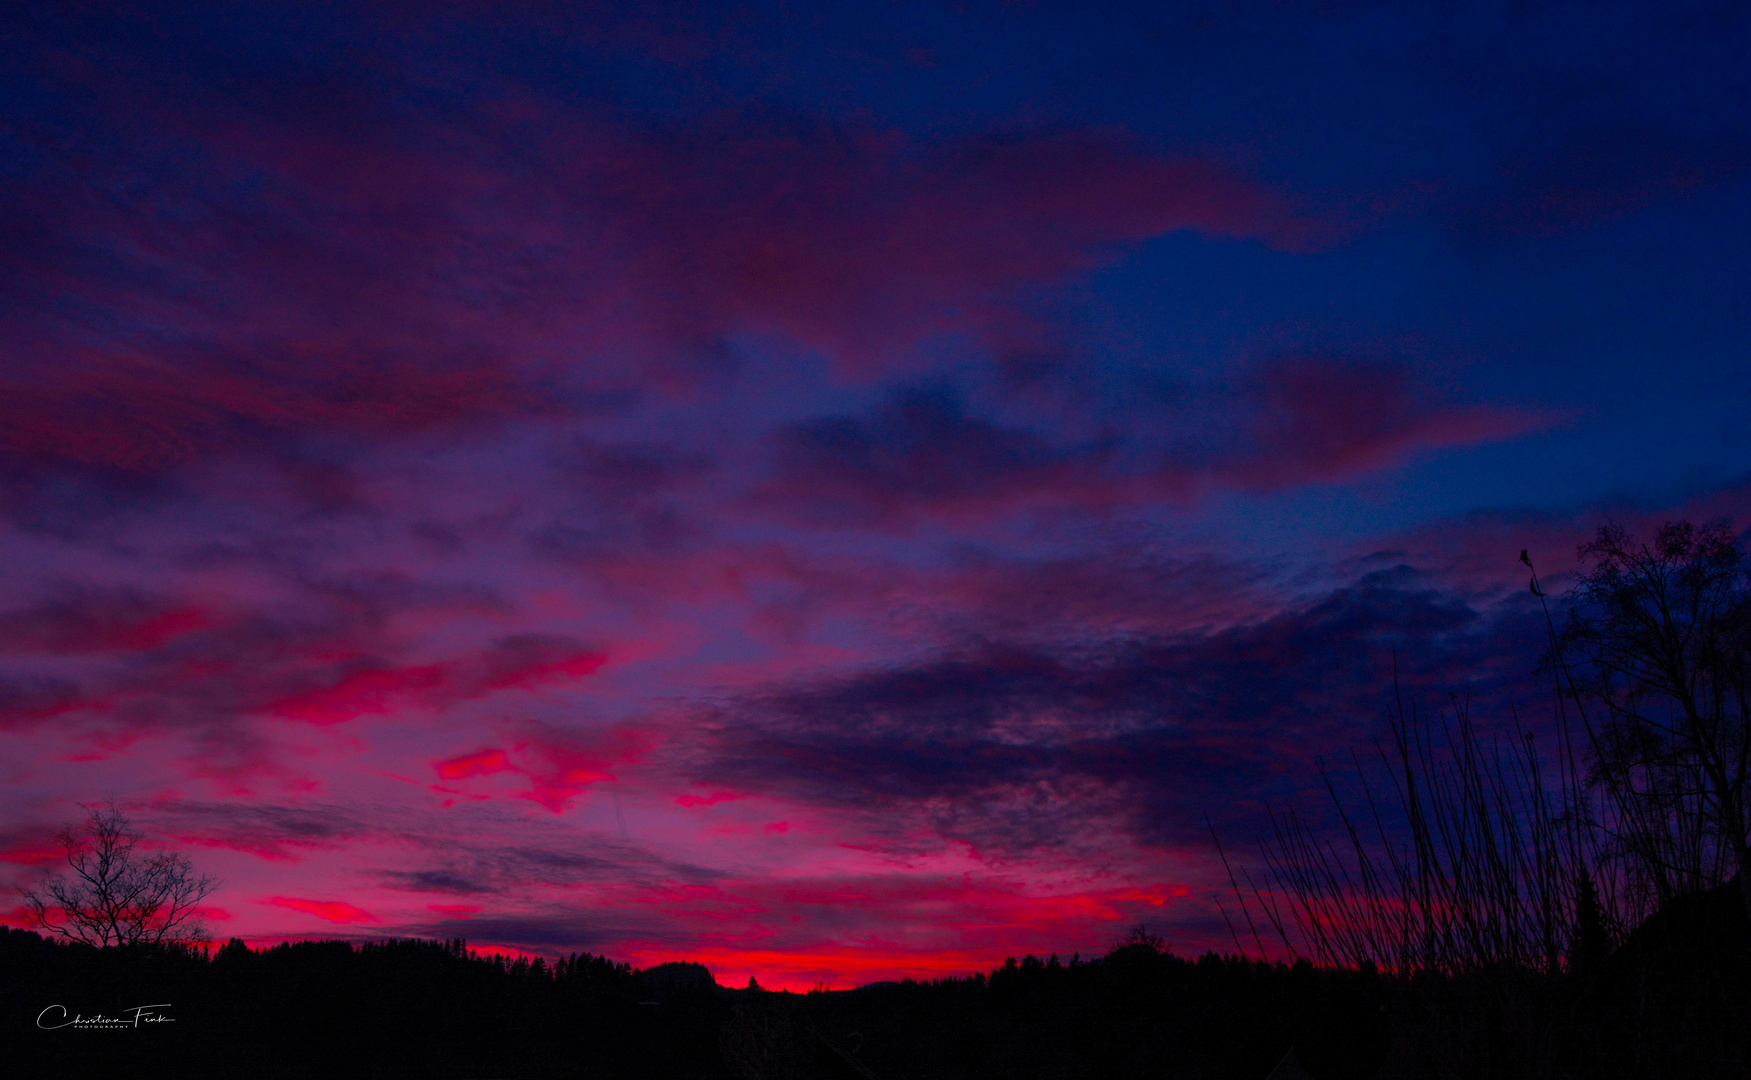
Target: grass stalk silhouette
x=1455, y=854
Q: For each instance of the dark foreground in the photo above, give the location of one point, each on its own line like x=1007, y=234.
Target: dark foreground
x=1673, y=1001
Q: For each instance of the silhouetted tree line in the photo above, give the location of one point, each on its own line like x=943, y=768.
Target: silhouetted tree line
x=393, y=1008
x=1670, y=1001
x=422, y=1008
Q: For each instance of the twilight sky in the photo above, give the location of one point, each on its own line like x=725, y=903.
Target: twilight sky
x=831, y=492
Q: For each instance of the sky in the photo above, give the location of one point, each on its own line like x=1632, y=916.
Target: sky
x=833, y=492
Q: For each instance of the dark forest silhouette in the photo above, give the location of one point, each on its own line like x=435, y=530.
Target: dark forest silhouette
x=1668, y=1002
x=422, y=1008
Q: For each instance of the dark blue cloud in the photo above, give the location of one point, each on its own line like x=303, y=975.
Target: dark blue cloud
x=921, y=451
x=1153, y=732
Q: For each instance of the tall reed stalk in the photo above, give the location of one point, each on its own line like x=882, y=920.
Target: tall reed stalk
x=1460, y=855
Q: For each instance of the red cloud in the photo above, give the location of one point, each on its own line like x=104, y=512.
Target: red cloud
x=147, y=415
x=528, y=668
x=360, y=693
x=923, y=455
x=383, y=280
x=269, y=848
x=461, y=911
x=859, y=241
x=335, y=911
x=707, y=800
x=559, y=766
x=96, y=621
x=522, y=663
x=569, y=765
x=1322, y=417
x=34, y=855
x=30, y=702
x=476, y=764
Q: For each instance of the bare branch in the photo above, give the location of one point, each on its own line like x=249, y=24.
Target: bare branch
x=109, y=895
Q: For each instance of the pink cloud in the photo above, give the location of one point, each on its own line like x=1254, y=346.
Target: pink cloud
x=360, y=693
x=34, y=701
x=1315, y=418
x=101, y=742
x=707, y=800
x=267, y=848
x=569, y=764
x=94, y=621
x=480, y=763
x=524, y=663
x=537, y=666
x=33, y=854
x=257, y=825
x=427, y=285
x=860, y=240
x=559, y=766
x=335, y=911
x=149, y=415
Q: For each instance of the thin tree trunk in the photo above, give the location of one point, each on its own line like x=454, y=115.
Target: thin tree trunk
x=1743, y=852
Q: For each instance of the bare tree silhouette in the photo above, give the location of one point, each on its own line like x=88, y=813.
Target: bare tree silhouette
x=1658, y=642
x=112, y=896
x=1140, y=935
